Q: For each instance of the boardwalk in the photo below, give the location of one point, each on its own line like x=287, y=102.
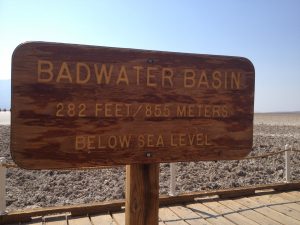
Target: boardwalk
x=262, y=208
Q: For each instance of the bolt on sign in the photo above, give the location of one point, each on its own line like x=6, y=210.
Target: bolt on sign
x=86, y=106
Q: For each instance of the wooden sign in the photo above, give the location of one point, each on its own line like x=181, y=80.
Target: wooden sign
x=86, y=106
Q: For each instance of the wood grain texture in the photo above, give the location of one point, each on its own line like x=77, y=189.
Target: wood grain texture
x=142, y=194
x=266, y=211
x=56, y=220
x=119, y=218
x=251, y=214
x=169, y=107
x=79, y=221
x=104, y=219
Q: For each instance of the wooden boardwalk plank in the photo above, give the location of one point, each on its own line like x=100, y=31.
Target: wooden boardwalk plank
x=279, y=217
x=279, y=207
x=229, y=213
x=184, y=213
x=102, y=219
x=169, y=217
x=176, y=222
x=288, y=202
x=198, y=221
x=35, y=221
x=32, y=223
x=295, y=193
x=79, y=220
x=249, y=213
x=291, y=196
x=264, y=209
x=56, y=220
x=188, y=215
x=119, y=218
x=208, y=214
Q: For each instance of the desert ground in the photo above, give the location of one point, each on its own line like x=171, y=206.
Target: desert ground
x=31, y=189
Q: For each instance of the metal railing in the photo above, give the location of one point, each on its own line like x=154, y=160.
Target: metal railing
x=287, y=159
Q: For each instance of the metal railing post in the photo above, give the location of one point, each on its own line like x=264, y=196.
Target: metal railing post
x=172, y=179
x=287, y=163
x=2, y=186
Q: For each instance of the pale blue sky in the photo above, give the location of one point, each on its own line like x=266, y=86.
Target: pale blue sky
x=266, y=32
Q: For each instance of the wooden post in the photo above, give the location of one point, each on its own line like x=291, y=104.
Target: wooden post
x=142, y=194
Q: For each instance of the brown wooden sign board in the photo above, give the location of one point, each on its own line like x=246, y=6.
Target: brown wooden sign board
x=87, y=106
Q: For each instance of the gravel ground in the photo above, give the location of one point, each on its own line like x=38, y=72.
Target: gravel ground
x=31, y=189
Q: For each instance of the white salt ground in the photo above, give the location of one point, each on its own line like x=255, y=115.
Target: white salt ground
x=4, y=118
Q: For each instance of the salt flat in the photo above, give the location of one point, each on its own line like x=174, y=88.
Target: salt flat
x=289, y=119
x=4, y=118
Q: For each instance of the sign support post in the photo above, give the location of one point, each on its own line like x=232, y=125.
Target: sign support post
x=142, y=194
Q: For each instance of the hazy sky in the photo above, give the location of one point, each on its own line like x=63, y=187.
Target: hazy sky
x=266, y=32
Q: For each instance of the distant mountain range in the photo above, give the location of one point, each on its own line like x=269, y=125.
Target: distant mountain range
x=5, y=90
